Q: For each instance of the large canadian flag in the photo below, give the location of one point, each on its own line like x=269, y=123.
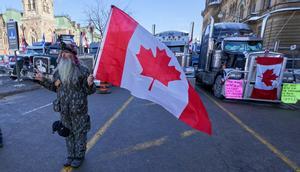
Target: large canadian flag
x=268, y=71
x=132, y=58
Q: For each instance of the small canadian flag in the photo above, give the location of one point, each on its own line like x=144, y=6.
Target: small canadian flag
x=268, y=71
x=132, y=58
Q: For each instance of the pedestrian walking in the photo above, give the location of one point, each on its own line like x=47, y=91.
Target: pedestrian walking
x=73, y=83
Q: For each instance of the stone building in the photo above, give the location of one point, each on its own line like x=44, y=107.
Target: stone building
x=35, y=21
x=276, y=21
x=64, y=25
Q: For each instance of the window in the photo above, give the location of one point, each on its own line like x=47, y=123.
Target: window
x=29, y=5
x=241, y=12
x=32, y=39
x=268, y=4
x=259, y=30
x=45, y=7
x=252, y=6
x=241, y=46
x=33, y=4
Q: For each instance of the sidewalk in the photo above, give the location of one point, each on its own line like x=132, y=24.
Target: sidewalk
x=10, y=87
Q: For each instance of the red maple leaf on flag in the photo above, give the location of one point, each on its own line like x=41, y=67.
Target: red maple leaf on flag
x=157, y=67
x=268, y=76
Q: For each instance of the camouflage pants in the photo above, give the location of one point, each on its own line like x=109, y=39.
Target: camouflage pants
x=79, y=126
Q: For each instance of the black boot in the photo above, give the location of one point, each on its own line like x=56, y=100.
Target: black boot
x=68, y=161
x=76, y=163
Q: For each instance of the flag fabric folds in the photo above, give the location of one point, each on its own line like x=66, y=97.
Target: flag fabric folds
x=132, y=58
x=268, y=70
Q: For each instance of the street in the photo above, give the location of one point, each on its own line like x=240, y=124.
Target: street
x=241, y=57
x=130, y=134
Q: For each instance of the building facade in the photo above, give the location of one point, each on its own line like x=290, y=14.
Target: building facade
x=276, y=21
x=64, y=25
x=36, y=21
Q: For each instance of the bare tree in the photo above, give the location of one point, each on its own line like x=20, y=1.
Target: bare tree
x=97, y=15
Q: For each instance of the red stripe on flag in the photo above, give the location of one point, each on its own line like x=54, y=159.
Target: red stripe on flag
x=264, y=94
x=195, y=114
x=269, y=60
x=112, y=58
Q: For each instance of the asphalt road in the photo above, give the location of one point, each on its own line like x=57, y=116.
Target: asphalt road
x=130, y=134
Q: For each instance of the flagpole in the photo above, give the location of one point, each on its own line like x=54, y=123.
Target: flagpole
x=101, y=42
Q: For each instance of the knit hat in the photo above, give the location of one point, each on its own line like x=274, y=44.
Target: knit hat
x=70, y=47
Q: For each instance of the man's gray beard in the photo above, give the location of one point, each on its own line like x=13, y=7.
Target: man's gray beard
x=65, y=70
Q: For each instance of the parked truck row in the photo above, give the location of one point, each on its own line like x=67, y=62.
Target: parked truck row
x=43, y=56
x=230, y=63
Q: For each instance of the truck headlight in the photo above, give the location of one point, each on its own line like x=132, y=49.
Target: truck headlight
x=297, y=80
x=235, y=75
x=189, y=70
x=288, y=79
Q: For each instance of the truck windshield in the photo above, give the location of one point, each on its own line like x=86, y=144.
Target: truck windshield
x=53, y=51
x=34, y=51
x=242, y=46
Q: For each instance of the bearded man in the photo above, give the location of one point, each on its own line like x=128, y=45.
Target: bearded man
x=73, y=83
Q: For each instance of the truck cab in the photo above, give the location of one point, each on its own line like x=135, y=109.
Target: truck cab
x=223, y=46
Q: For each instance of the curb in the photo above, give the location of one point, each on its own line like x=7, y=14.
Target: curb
x=18, y=91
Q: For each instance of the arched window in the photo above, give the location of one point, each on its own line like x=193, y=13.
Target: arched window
x=242, y=12
x=33, y=4
x=29, y=5
x=32, y=35
x=268, y=4
x=253, y=6
x=45, y=6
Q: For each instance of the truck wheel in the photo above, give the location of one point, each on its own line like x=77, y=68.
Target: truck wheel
x=217, y=88
x=13, y=77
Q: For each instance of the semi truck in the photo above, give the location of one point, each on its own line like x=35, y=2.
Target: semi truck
x=229, y=63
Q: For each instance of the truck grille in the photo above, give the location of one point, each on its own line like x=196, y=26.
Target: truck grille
x=41, y=63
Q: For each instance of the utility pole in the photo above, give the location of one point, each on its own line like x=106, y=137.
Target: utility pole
x=153, y=29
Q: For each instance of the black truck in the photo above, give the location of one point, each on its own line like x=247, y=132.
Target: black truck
x=228, y=52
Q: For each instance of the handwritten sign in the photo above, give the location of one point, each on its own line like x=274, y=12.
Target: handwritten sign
x=234, y=89
x=290, y=93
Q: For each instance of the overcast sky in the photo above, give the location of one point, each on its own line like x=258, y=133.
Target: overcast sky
x=166, y=14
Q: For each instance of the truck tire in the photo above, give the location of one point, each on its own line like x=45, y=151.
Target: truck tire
x=217, y=88
x=13, y=77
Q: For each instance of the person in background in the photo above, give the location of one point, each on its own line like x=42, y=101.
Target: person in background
x=73, y=83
